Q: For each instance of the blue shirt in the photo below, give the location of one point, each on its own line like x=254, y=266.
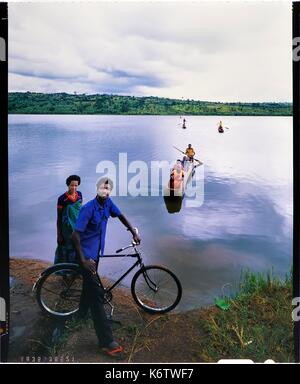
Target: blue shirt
x=91, y=224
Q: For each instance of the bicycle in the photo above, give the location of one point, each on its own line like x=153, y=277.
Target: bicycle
x=154, y=288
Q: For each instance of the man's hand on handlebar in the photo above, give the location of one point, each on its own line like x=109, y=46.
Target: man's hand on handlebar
x=134, y=231
x=136, y=238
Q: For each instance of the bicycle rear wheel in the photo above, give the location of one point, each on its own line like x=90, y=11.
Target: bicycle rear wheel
x=156, y=289
x=59, y=289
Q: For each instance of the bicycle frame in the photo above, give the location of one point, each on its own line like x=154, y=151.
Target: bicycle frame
x=139, y=261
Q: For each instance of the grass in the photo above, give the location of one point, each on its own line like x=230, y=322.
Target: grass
x=258, y=325
x=73, y=324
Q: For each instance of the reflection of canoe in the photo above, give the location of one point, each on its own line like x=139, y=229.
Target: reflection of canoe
x=221, y=130
x=173, y=203
x=177, y=189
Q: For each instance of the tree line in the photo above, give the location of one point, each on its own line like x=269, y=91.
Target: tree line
x=64, y=103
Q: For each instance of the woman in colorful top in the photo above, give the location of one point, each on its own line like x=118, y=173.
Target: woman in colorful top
x=68, y=206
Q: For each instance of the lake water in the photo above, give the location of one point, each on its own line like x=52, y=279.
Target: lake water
x=245, y=220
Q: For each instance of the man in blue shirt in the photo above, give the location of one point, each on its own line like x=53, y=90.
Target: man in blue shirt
x=89, y=240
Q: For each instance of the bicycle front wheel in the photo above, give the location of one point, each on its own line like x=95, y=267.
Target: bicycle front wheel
x=156, y=289
x=59, y=289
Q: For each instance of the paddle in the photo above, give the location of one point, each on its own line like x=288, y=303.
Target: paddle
x=200, y=162
x=222, y=127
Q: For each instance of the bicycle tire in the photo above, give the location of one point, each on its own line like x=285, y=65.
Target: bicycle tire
x=57, y=273
x=149, y=304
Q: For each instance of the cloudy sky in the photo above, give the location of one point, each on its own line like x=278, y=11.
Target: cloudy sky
x=227, y=51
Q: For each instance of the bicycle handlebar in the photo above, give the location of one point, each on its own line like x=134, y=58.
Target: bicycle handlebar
x=133, y=243
x=120, y=250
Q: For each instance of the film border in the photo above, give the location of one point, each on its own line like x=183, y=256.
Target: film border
x=296, y=147
x=4, y=241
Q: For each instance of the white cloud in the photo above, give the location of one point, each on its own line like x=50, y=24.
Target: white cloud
x=233, y=51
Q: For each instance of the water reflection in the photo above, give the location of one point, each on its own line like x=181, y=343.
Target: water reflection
x=173, y=203
x=241, y=216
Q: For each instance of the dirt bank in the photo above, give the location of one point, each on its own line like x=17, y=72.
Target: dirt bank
x=146, y=338
x=194, y=336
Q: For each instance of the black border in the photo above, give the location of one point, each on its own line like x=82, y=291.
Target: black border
x=4, y=215
x=4, y=241
x=296, y=174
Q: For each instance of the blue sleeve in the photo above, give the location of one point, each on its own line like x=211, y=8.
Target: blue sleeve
x=83, y=218
x=114, y=210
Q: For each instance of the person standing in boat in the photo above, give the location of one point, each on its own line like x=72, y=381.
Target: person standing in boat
x=220, y=128
x=190, y=153
x=68, y=206
x=183, y=125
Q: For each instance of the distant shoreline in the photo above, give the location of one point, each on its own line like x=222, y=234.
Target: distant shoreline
x=117, y=114
x=73, y=104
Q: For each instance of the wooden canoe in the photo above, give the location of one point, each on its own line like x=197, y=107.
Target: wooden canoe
x=178, y=191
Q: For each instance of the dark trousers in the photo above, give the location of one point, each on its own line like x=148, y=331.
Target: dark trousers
x=92, y=297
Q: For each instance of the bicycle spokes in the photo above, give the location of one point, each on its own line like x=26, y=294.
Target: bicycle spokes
x=149, y=282
x=156, y=289
x=60, y=292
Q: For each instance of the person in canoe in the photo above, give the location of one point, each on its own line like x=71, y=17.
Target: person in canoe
x=183, y=125
x=68, y=206
x=177, y=176
x=190, y=153
x=220, y=128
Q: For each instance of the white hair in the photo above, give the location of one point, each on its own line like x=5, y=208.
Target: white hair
x=104, y=180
